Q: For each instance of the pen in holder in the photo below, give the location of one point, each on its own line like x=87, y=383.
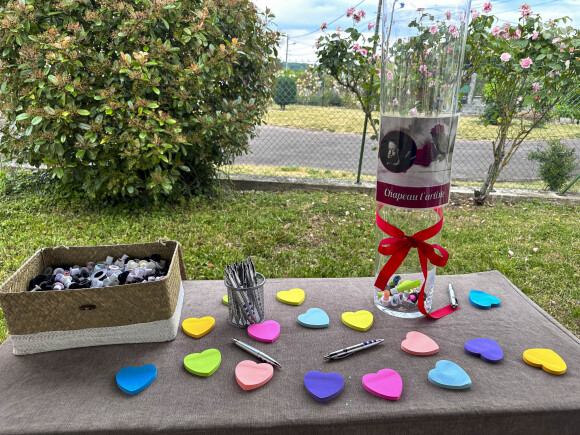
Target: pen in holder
x=245, y=294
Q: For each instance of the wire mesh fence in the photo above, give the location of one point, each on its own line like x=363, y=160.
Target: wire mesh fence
x=314, y=128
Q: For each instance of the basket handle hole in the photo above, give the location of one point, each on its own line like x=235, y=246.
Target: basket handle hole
x=87, y=307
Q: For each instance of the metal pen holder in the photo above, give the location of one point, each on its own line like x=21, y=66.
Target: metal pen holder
x=246, y=305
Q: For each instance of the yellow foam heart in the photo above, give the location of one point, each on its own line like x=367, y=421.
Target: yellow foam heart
x=293, y=296
x=197, y=328
x=547, y=359
x=361, y=320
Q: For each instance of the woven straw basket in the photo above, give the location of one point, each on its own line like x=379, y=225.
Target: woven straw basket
x=131, y=313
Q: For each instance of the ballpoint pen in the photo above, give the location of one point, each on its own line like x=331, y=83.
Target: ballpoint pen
x=255, y=352
x=347, y=351
x=452, y=297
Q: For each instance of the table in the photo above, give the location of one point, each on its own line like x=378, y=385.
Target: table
x=74, y=391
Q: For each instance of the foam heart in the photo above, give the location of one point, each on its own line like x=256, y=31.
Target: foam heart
x=133, y=380
x=447, y=374
x=204, y=363
x=267, y=332
x=486, y=348
x=386, y=383
x=293, y=296
x=197, y=328
x=360, y=320
x=417, y=343
x=251, y=375
x=547, y=359
x=314, y=318
x=323, y=387
x=225, y=299
x=483, y=300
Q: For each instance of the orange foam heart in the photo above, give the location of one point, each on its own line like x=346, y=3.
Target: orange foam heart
x=251, y=375
x=547, y=359
x=417, y=343
x=197, y=328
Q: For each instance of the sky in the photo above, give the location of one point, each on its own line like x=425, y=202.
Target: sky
x=301, y=19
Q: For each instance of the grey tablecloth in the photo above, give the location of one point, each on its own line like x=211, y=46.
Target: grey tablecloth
x=74, y=391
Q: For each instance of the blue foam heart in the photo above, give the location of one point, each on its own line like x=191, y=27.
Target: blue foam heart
x=447, y=374
x=314, y=318
x=483, y=300
x=486, y=348
x=133, y=380
x=323, y=386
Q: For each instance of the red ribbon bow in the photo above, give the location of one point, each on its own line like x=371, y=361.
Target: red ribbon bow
x=398, y=247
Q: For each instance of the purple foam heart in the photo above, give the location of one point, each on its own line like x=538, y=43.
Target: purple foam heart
x=486, y=348
x=323, y=386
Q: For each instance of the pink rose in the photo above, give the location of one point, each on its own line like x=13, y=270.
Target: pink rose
x=395, y=102
x=495, y=31
x=455, y=34
x=356, y=47
x=448, y=49
x=517, y=34
x=525, y=10
x=349, y=12
x=571, y=49
x=413, y=111
x=487, y=7
x=452, y=28
x=323, y=26
x=433, y=29
x=362, y=13
x=371, y=25
x=448, y=15
x=505, y=57
x=363, y=51
x=475, y=15
x=534, y=36
x=536, y=87
x=389, y=75
x=420, y=9
x=525, y=63
x=556, y=40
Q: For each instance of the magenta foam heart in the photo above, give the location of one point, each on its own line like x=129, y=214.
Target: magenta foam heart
x=386, y=383
x=486, y=348
x=267, y=332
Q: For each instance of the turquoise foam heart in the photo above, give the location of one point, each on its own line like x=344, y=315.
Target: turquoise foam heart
x=133, y=380
x=447, y=374
x=314, y=318
x=483, y=300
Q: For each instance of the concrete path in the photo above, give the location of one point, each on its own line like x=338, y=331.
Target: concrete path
x=281, y=146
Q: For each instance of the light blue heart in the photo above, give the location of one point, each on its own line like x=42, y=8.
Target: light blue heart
x=483, y=300
x=314, y=318
x=133, y=380
x=447, y=374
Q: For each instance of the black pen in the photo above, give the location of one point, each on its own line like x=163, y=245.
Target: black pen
x=452, y=297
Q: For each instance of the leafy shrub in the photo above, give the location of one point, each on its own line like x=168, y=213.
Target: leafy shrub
x=285, y=92
x=135, y=97
x=557, y=163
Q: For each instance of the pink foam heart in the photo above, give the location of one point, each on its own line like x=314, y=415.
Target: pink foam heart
x=251, y=375
x=386, y=383
x=267, y=332
x=417, y=343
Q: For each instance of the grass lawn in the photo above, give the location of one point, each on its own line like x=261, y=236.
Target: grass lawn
x=344, y=120
x=298, y=234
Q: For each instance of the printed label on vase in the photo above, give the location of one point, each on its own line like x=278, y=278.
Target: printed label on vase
x=414, y=164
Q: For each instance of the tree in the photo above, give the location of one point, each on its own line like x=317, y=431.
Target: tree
x=133, y=97
x=529, y=68
x=285, y=92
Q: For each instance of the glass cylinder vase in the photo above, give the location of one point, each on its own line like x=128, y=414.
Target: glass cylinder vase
x=422, y=56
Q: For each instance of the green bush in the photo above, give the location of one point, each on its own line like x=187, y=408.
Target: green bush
x=133, y=98
x=285, y=92
x=557, y=163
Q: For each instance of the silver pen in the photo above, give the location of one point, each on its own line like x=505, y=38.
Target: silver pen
x=255, y=352
x=347, y=351
x=452, y=297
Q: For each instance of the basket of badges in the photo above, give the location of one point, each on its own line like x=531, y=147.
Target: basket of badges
x=69, y=297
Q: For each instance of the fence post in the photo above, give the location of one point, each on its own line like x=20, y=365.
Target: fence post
x=570, y=185
x=362, y=148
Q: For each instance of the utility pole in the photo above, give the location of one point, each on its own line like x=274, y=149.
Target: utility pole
x=287, y=39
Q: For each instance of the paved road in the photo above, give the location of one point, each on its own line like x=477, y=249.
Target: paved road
x=281, y=146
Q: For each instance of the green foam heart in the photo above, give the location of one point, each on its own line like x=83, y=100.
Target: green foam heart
x=204, y=363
